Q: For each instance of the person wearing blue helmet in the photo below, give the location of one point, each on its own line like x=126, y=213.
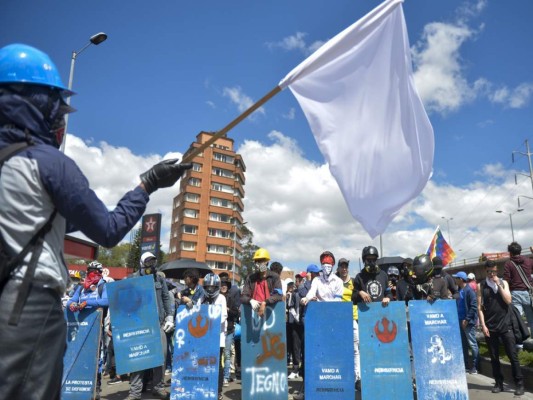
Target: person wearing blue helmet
x=44, y=195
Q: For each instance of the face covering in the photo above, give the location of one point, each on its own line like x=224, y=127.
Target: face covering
x=327, y=268
x=261, y=266
x=92, y=278
x=371, y=266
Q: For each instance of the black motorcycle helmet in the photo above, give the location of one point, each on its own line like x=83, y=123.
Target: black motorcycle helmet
x=422, y=268
x=369, y=251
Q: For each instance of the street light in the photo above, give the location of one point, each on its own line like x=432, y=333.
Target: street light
x=510, y=218
x=448, y=224
x=96, y=40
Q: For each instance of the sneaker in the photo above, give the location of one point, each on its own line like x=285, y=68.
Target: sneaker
x=473, y=371
x=114, y=381
x=225, y=383
x=519, y=390
x=358, y=385
x=293, y=375
x=160, y=394
x=498, y=387
x=298, y=396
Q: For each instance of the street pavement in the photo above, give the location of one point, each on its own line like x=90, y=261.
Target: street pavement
x=479, y=388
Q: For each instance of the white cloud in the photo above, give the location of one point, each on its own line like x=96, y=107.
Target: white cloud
x=291, y=114
x=211, y=104
x=296, y=211
x=513, y=98
x=241, y=100
x=296, y=42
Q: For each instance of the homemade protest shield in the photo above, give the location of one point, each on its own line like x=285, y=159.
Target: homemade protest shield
x=437, y=350
x=80, y=361
x=135, y=324
x=196, y=359
x=264, y=353
x=384, y=351
x=329, y=365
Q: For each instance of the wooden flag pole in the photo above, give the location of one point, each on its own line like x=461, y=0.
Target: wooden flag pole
x=231, y=125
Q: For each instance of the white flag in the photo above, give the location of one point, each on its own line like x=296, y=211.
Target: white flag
x=358, y=95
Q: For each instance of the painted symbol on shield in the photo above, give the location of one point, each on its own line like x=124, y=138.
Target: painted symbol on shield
x=199, y=330
x=386, y=335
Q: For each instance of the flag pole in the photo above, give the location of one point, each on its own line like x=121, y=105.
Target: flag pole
x=197, y=150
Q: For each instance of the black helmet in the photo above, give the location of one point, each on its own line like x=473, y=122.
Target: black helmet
x=369, y=251
x=422, y=268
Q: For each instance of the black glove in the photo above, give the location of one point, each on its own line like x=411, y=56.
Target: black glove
x=163, y=174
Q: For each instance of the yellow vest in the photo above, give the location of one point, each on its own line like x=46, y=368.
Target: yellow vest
x=347, y=295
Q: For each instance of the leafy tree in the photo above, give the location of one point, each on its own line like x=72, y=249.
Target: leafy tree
x=248, y=250
x=134, y=255
x=114, y=257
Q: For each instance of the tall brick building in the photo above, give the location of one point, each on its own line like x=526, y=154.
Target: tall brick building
x=207, y=213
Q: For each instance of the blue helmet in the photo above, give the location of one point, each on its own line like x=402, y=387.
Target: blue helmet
x=20, y=63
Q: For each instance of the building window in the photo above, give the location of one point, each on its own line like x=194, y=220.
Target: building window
x=218, y=265
x=188, y=246
x=223, y=158
x=190, y=229
x=197, y=167
x=220, y=233
x=195, y=182
x=192, y=197
x=215, y=201
x=219, y=187
x=213, y=248
x=222, y=172
x=187, y=212
x=220, y=217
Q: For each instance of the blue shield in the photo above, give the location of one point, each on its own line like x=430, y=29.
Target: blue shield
x=437, y=350
x=196, y=359
x=329, y=365
x=264, y=353
x=384, y=350
x=81, y=357
x=135, y=324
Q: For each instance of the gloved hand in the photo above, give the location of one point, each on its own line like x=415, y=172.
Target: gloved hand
x=255, y=304
x=74, y=307
x=163, y=174
x=169, y=324
x=82, y=305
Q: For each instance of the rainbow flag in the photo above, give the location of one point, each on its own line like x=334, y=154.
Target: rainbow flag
x=440, y=247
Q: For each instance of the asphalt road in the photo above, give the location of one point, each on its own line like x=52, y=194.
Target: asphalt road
x=479, y=388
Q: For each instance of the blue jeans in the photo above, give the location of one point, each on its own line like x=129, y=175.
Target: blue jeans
x=522, y=301
x=227, y=354
x=468, y=338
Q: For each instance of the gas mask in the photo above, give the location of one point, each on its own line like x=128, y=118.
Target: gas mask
x=148, y=267
x=261, y=266
x=371, y=266
x=327, y=268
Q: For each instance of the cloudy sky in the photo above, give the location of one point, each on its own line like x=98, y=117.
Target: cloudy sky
x=172, y=69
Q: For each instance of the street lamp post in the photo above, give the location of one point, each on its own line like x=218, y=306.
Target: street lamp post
x=96, y=40
x=448, y=225
x=510, y=218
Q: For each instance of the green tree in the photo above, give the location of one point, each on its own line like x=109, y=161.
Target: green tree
x=248, y=250
x=134, y=255
x=114, y=257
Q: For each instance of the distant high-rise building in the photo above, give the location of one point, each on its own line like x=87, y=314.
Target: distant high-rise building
x=207, y=213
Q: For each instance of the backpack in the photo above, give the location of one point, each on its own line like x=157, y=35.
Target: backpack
x=9, y=262
x=440, y=288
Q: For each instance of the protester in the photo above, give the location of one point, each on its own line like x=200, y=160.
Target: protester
x=44, y=194
x=212, y=296
x=349, y=286
x=468, y=315
x=494, y=301
x=326, y=287
x=394, y=276
x=443, y=285
x=277, y=268
x=472, y=281
x=294, y=329
x=517, y=272
x=148, y=265
x=233, y=313
x=299, y=279
x=371, y=284
x=405, y=279
x=263, y=287
x=194, y=292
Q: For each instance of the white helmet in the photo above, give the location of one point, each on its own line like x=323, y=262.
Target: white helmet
x=148, y=263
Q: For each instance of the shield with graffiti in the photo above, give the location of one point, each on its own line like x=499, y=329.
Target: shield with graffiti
x=264, y=353
x=135, y=324
x=437, y=350
x=81, y=357
x=196, y=358
x=384, y=350
x=329, y=365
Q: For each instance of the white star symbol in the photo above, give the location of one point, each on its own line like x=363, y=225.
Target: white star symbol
x=150, y=225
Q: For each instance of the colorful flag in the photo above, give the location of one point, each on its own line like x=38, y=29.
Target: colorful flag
x=358, y=94
x=439, y=247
